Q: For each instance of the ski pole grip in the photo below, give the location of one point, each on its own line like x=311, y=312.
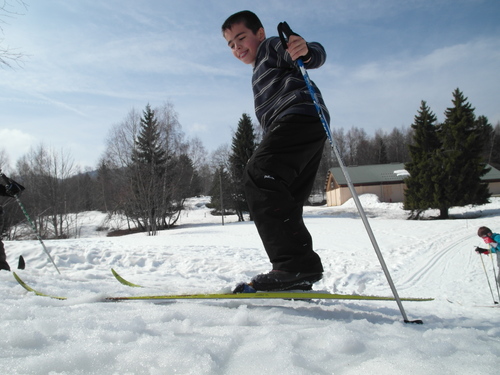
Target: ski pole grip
x=284, y=32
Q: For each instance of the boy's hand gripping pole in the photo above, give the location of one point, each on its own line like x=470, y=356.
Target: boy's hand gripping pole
x=284, y=32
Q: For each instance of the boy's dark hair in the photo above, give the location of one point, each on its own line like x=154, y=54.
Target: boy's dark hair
x=249, y=19
x=483, y=231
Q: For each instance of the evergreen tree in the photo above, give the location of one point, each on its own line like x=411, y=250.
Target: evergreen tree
x=420, y=186
x=148, y=168
x=447, y=160
x=149, y=150
x=458, y=180
x=242, y=148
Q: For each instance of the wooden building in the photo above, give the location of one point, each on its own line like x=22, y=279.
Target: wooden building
x=384, y=180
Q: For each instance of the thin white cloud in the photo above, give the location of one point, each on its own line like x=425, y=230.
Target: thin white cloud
x=387, y=94
x=468, y=58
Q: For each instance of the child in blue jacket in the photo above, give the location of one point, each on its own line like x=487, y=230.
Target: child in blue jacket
x=493, y=241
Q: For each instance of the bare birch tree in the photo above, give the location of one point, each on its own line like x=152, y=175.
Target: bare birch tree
x=9, y=10
x=46, y=174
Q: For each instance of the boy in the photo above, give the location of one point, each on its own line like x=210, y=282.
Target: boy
x=279, y=176
x=492, y=239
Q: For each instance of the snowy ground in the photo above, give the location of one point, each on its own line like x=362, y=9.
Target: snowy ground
x=426, y=258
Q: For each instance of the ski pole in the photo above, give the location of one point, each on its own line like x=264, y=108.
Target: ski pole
x=494, y=273
x=285, y=32
x=33, y=227
x=487, y=279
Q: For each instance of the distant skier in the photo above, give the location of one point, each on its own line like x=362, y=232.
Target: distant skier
x=280, y=174
x=8, y=188
x=493, y=241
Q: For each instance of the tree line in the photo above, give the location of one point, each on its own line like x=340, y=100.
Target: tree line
x=149, y=168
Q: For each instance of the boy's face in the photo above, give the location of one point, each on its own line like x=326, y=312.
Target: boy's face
x=243, y=42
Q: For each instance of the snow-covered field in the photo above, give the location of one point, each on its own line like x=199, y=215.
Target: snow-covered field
x=426, y=258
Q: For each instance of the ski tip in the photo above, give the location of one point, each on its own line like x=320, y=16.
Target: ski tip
x=123, y=281
x=30, y=289
x=18, y=279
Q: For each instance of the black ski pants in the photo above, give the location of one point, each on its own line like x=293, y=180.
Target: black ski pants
x=278, y=180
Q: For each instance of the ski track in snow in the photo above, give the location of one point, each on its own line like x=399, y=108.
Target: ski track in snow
x=440, y=262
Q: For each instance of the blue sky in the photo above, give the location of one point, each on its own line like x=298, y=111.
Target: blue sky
x=91, y=62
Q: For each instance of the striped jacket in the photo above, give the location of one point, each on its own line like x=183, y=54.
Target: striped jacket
x=278, y=86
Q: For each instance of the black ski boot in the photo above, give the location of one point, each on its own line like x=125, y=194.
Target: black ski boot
x=281, y=280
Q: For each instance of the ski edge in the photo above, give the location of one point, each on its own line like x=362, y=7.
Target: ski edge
x=30, y=289
x=265, y=295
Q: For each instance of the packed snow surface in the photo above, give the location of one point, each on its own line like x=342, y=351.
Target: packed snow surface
x=426, y=258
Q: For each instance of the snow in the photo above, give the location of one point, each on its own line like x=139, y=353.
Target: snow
x=427, y=258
